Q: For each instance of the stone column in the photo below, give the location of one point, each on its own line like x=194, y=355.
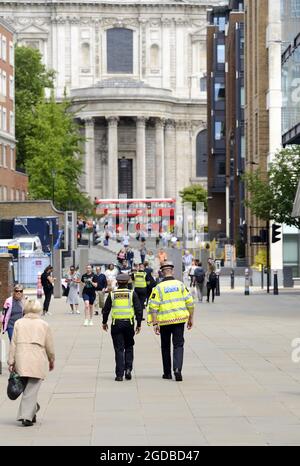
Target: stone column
x=160, y=156
x=113, y=181
x=183, y=155
x=141, y=157
x=170, y=159
x=90, y=157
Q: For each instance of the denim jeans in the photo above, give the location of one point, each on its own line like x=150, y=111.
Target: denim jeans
x=10, y=333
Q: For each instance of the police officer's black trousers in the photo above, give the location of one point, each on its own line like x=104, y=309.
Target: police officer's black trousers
x=122, y=333
x=176, y=331
x=142, y=295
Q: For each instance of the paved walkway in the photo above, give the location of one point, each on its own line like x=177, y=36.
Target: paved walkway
x=240, y=385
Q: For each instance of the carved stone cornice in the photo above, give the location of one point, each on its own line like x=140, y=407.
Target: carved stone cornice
x=112, y=121
x=141, y=121
x=160, y=123
x=196, y=124
x=170, y=125
x=89, y=121
x=119, y=22
x=183, y=125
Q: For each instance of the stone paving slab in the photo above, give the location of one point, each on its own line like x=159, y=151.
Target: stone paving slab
x=240, y=385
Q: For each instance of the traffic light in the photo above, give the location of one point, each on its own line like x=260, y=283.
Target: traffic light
x=243, y=233
x=276, y=232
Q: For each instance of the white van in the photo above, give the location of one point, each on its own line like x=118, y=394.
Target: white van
x=29, y=245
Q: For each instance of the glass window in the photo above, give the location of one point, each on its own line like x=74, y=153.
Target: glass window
x=85, y=56
x=219, y=130
x=221, y=53
x=154, y=57
x=203, y=84
x=4, y=44
x=11, y=87
x=201, y=154
x=11, y=54
x=12, y=159
x=242, y=97
x=222, y=168
x=11, y=122
x=4, y=83
x=219, y=92
x=120, y=51
x=4, y=121
x=4, y=155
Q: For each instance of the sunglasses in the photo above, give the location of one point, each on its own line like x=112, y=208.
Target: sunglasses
x=18, y=291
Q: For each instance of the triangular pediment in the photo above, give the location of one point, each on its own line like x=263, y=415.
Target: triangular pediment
x=32, y=29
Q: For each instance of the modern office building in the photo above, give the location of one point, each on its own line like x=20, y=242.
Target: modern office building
x=225, y=116
x=13, y=184
x=290, y=27
x=216, y=120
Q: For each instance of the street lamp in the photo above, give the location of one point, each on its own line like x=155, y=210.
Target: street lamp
x=53, y=173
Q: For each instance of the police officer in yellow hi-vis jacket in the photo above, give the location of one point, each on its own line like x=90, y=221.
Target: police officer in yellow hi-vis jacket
x=125, y=306
x=141, y=281
x=170, y=307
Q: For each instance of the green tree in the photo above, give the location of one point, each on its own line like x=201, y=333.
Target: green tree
x=272, y=195
x=194, y=193
x=31, y=79
x=55, y=163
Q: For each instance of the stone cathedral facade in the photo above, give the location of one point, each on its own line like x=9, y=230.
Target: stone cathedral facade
x=136, y=71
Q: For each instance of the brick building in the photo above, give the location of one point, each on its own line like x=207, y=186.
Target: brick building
x=263, y=103
x=13, y=184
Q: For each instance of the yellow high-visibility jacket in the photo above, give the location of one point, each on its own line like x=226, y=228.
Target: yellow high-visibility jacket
x=122, y=304
x=171, y=302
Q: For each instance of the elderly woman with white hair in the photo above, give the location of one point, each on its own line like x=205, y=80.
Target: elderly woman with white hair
x=31, y=354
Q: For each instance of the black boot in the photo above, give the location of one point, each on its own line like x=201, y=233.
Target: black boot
x=27, y=423
x=178, y=376
x=128, y=374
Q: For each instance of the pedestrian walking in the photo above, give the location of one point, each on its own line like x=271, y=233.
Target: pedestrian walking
x=13, y=310
x=125, y=306
x=31, y=353
x=48, y=285
x=130, y=256
x=162, y=256
x=89, y=294
x=211, y=284
x=151, y=259
x=191, y=272
x=143, y=252
x=100, y=290
x=73, y=280
x=170, y=307
x=121, y=256
x=141, y=281
x=111, y=275
x=199, y=280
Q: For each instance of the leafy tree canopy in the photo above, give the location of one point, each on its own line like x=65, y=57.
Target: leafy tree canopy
x=271, y=197
x=194, y=193
x=55, y=163
x=31, y=79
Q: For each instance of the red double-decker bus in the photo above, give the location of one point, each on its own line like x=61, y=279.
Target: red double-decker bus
x=152, y=216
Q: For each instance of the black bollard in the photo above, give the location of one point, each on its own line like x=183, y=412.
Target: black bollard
x=218, y=284
x=247, y=283
x=262, y=276
x=232, y=279
x=275, y=289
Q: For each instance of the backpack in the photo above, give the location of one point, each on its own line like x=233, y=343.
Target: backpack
x=213, y=279
x=199, y=275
